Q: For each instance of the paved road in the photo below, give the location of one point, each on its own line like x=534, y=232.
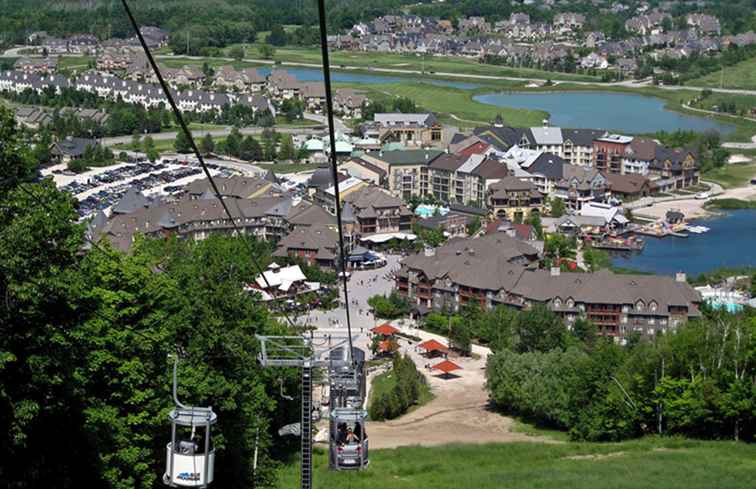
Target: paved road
x=751, y=145
x=645, y=202
x=338, y=124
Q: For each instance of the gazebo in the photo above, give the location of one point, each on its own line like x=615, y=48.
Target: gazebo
x=385, y=330
x=446, y=367
x=433, y=347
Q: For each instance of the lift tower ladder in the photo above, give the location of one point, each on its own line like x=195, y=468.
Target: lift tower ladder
x=306, y=353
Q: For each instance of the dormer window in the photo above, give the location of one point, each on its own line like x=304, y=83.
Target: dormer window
x=639, y=305
x=653, y=306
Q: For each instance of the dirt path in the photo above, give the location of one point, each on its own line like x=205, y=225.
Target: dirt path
x=458, y=414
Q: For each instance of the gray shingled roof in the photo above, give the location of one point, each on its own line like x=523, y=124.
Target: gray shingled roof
x=131, y=201
x=484, y=263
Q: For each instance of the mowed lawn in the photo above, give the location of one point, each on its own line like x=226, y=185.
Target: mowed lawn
x=741, y=75
x=731, y=176
x=648, y=463
x=445, y=101
x=445, y=64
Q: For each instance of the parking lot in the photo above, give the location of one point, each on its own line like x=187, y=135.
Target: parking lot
x=101, y=188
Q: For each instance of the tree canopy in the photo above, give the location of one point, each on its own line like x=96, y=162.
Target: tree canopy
x=84, y=381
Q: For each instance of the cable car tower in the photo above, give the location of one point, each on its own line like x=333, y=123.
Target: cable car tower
x=331, y=353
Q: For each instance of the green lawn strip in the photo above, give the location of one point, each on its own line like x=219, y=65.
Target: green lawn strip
x=447, y=64
x=651, y=462
x=73, y=61
x=287, y=167
x=741, y=75
x=730, y=176
x=522, y=425
x=447, y=100
x=282, y=122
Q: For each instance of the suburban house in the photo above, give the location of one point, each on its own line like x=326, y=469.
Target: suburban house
x=36, y=65
x=71, y=148
x=282, y=85
x=348, y=102
x=245, y=80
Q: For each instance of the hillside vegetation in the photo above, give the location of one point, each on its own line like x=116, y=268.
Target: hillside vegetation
x=741, y=76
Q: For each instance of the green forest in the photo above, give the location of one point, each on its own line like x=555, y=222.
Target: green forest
x=697, y=381
x=85, y=377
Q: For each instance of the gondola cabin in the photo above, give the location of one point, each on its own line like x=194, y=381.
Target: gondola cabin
x=348, y=439
x=190, y=456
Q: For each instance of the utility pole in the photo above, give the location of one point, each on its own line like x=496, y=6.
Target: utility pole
x=721, y=80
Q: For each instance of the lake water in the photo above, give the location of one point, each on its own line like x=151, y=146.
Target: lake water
x=731, y=242
x=627, y=113
x=621, y=112
x=312, y=74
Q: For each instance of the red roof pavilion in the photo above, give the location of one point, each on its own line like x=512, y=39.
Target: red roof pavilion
x=447, y=366
x=433, y=345
x=385, y=330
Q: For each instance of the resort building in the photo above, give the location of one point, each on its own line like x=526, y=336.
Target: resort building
x=372, y=210
x=609, y=152
x=315, y=245
x=492, y=271
x=419, y=130
x=514, y=199
x=407, y=171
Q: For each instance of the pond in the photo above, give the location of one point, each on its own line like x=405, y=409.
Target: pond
x=622, y=112
x=312, y=74
x=731, y=242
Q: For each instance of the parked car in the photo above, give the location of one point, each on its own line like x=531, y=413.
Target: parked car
x=702, y=195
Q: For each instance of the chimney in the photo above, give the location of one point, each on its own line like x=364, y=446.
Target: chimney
x=681, y=277
x=554, y=272
x=545, y=123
